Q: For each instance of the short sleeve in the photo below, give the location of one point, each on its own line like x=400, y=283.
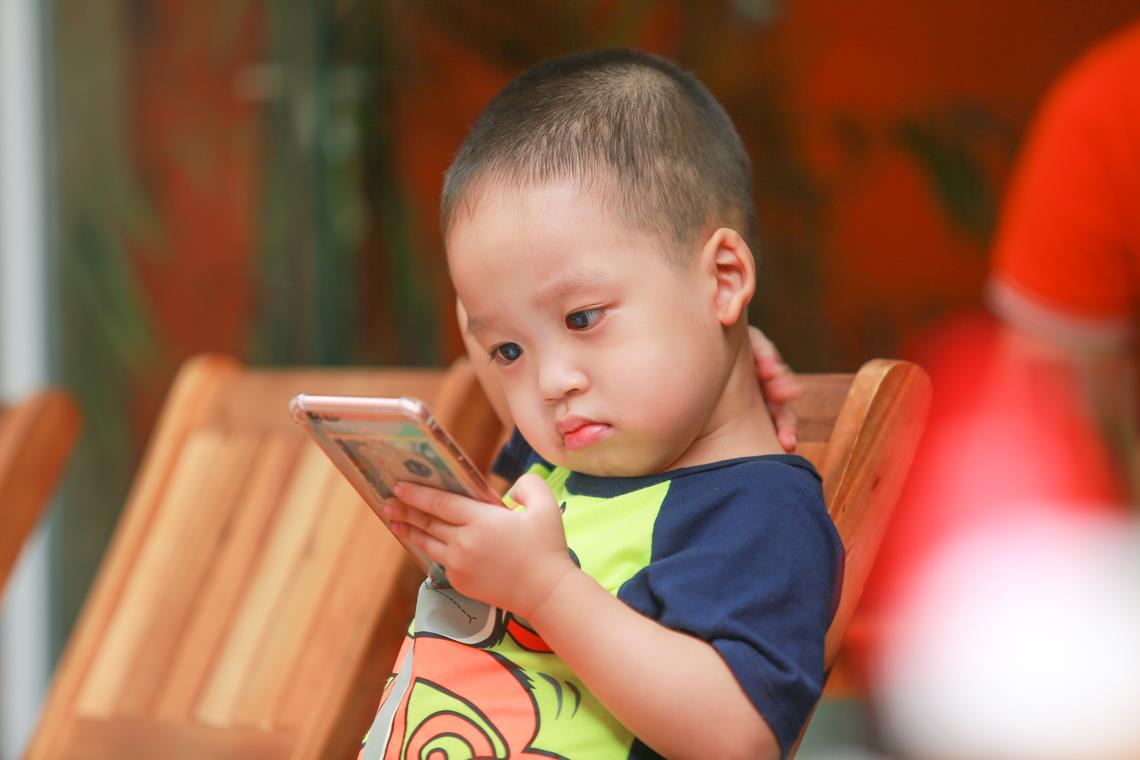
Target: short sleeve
x=515, y=458
x=1066, y=252
x=750, y=562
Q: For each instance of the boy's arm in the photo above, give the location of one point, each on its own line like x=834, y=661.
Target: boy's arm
x=673, y=691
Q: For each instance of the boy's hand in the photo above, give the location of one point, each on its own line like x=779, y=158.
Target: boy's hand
x=778, y=384
x=511, y=559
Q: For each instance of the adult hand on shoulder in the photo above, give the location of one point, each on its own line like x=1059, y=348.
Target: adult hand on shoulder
x=511, y=559
x=779, y=385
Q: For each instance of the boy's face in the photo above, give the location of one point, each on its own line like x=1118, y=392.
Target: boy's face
x=612, y=359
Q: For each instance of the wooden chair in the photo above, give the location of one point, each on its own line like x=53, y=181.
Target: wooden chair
x=250, y=605
x=268, y=630
x=36, y=439
x=861, y=432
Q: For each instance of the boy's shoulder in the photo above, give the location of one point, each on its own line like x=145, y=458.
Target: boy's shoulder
x=767, y=494
x=753, y=503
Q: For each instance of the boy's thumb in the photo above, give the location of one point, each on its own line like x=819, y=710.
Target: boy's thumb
x=531, y=491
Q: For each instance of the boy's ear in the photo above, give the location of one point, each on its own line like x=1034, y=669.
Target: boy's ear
x=728, y=260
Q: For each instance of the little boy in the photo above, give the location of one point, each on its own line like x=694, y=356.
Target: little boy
x=666, y=579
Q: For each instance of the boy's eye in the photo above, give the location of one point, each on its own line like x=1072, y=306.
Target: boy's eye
x=584, y=319
x=506, y=353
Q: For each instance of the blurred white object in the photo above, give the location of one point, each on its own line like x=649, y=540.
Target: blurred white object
x=1020, y=643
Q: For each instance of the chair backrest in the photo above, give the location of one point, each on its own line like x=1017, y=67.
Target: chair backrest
x=36, y=439
x=250, y=604
x=861, y=432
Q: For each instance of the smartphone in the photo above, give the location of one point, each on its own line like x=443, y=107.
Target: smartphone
x=376, y=442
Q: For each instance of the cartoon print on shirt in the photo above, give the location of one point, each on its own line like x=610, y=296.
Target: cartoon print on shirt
x=453, y=633
x=475, y=681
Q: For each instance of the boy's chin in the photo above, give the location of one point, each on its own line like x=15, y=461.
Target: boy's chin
x=610, y=463
x=607, y=470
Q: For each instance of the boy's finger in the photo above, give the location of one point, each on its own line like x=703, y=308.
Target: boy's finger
x=787, y=425
x=396, y=510
x=446, y=506
x=531, y=491
x=432, y=547
x=783, y=388
x=768, y=368
x=764, y=351
x=777, y=381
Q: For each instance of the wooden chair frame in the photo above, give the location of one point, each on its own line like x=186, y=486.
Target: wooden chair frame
x=250, y=604
x=861, y=432
x=157, y=670
x=36, y=440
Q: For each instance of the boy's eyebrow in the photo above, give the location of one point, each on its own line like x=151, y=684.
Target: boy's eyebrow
x=474, y=326
x=562, y=286
x=570, y=283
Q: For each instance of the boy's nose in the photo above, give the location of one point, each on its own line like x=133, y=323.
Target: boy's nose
x=559, y=378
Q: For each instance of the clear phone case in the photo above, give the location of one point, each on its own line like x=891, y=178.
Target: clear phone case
x=376, y=442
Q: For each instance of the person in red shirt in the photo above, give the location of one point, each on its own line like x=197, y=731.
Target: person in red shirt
x=1065, y=276
x=1033, y=415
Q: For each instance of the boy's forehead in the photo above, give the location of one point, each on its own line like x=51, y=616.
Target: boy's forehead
x=526, y=224
x=494, y=215
x=493, y=199
x=543, y=243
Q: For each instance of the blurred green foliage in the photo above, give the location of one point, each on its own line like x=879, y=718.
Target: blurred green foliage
x=104, y=333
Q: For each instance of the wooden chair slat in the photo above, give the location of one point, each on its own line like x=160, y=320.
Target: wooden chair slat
x=256, y=398
x=308, y=579
x=192, y=391
x=119, y=738
x=353, y=683
x=813, y=451
x=819, y=406
x=242, y=541
x=154, y=603
x=36, y=439
x=188, y=568
x=270, y=579
x=875, y=439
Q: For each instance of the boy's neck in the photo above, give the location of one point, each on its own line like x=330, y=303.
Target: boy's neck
x=740, y=424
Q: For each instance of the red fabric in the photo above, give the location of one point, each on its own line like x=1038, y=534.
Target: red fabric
x=1070, y=232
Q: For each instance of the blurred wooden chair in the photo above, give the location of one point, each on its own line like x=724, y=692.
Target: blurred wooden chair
x=861, y=432
x=250, y=605
x=36, y=440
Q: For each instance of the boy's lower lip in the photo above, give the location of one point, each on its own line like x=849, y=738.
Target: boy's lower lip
x=587, y=435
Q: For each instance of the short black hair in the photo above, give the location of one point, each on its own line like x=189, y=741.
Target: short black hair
x=635, y=124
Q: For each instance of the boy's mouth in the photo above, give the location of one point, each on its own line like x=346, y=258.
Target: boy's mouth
x=579, y=432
